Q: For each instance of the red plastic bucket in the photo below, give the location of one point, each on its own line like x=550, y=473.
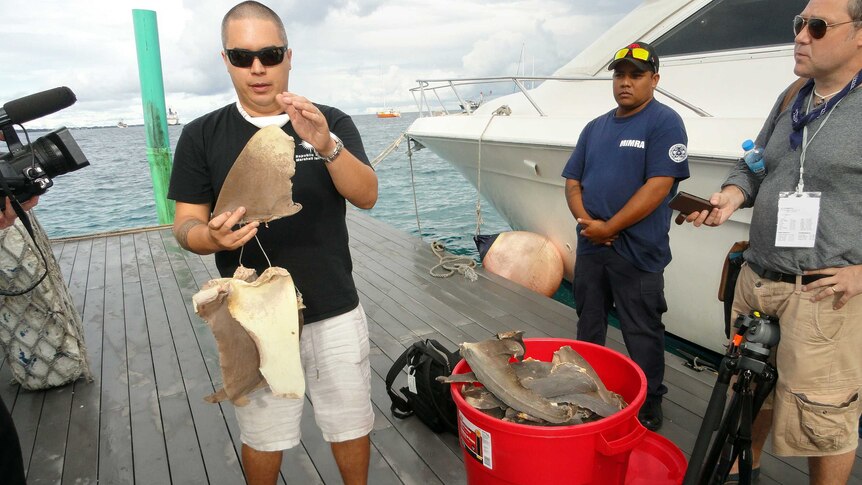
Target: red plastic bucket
x=499, y=452
x=656, y=461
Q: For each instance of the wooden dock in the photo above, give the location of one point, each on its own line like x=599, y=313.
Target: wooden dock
x=143, y=420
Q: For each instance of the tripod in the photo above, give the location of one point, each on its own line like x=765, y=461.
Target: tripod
x=746, y=357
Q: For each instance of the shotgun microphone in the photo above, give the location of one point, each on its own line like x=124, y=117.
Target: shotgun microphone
x=36, y=105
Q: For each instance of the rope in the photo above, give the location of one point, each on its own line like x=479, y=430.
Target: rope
x=501, y=111
x=388, y=150
x=413, y=186
x=452, y=264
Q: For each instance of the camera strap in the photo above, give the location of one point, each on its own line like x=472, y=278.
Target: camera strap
x=25, y=220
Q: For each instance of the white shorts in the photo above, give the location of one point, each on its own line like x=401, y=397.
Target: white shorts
x=338, y=383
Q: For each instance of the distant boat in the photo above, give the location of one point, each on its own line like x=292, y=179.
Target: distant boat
x=388, y=113
x=173, y=117
x=121, y=124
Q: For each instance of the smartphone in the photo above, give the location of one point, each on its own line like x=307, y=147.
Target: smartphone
x=686, y=203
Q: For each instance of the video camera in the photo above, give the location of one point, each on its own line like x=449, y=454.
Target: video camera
x=28, y=170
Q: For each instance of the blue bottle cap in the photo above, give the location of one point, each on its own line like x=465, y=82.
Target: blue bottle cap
x=747, y=145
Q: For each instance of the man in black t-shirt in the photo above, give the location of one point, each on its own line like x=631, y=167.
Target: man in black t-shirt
x=331, y=168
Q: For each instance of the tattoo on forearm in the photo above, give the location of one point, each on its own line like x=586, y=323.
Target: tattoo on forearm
x=182, y=233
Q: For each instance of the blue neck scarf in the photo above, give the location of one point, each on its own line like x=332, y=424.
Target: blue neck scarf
x=799, y=121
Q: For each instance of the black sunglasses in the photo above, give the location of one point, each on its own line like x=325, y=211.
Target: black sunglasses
x=270, y=56
x=816, y=27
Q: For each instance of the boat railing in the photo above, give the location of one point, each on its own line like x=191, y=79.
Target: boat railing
x=427, y=87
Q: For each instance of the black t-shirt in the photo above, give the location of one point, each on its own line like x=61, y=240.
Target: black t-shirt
x=312, y=244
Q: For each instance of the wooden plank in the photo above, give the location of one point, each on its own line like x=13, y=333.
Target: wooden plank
x=116, y=464
x=414, y=244
x=184, y=456
x=220, y=459
x=415, y=307
x=67, y=260
x=454, y=288
x=25, y=415
x=148, y=441
x=46, y=462
x=81, y=463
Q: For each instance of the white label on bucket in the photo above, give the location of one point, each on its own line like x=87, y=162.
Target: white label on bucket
x=475, y=440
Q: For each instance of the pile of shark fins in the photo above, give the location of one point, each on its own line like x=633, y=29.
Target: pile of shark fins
x=565, y=391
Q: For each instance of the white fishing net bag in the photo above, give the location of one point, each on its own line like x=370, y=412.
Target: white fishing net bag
x=41, y=333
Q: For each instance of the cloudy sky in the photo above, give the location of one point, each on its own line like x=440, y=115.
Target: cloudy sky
x=353, y=54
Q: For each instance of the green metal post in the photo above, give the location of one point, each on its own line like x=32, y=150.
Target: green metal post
x=155, y=119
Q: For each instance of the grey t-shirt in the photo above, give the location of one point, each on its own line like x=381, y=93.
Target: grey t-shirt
x=833, y=166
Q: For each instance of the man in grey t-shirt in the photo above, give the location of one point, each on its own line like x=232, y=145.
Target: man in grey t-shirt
x=805, y=261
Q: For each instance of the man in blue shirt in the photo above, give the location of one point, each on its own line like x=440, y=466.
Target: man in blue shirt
x=619, y=179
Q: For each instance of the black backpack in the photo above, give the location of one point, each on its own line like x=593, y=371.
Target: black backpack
x=428, y=399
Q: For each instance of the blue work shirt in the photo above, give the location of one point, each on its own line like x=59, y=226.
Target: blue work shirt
x=613, y=159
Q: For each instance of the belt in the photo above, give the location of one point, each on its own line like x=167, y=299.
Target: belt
x=783, y=277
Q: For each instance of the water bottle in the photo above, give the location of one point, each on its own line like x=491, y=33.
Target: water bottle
x=753, y=157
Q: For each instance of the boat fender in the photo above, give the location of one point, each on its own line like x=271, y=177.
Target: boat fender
x=527, y=258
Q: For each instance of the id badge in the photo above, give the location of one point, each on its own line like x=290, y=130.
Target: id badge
x=797, y=219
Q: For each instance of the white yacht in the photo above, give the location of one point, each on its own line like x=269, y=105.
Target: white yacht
x=723, y=65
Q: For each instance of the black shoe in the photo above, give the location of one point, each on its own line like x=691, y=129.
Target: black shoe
x=650, y=414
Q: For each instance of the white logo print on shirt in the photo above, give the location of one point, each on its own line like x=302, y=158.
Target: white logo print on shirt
x=633, y=143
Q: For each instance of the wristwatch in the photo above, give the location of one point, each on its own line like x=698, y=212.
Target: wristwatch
x=337, y=151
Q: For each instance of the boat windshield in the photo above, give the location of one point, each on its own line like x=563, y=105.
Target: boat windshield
x=732, y=24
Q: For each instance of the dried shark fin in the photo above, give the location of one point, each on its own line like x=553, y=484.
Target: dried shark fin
x=259, y=179
x=270, y=306
x=480, y=398
x=563, y=378
x=568, y=354
x=514, y=339
x=590, y=401
x=532, y=368
x=267, y=309
x=489, y=360
x=238, y=356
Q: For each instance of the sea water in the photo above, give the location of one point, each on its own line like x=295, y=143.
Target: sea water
x=116, y=192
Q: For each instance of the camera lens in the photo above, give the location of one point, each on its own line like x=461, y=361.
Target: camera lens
x=57, y=153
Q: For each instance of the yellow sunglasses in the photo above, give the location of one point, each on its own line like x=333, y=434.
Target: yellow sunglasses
x=637, y=53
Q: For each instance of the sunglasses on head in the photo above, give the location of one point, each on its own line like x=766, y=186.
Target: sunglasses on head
x=816, y=27
x=270, y=56
x=637, y=53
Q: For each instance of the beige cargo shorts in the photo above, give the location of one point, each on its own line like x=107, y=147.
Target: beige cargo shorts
x=819, y=360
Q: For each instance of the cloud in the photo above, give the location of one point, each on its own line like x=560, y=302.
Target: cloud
x=354, y=54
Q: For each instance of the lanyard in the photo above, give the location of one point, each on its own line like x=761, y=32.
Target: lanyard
x=805, y=142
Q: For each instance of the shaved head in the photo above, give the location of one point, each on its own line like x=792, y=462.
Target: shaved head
x=252, y=10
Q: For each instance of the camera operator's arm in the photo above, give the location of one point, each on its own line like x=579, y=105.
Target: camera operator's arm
x=845, y=281
x=8, y=216
x=195, y=234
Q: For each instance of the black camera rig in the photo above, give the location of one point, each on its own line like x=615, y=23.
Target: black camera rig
x=27, y=169
x=747, y=357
